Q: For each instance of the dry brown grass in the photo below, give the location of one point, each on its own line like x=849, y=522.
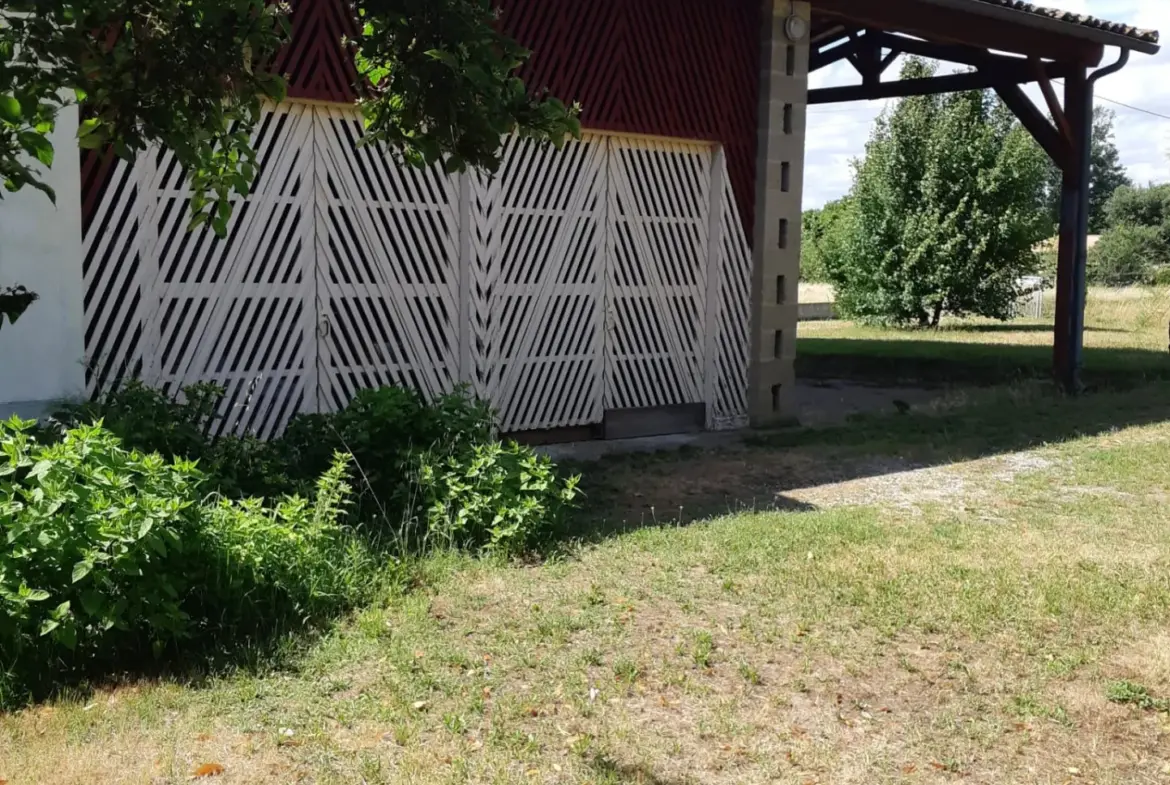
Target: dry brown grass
x=1126, y=318
x=962, y=625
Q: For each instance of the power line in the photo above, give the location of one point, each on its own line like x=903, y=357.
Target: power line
x=1150, y=112
x=1107, y=99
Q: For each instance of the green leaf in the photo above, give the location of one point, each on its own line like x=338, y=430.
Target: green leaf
x=39, y=470
x=67, y=635
x=91, y=602
x=81, y=569
x=88, y=127
x=48, y=625
x=37, y=595
x=10, y=109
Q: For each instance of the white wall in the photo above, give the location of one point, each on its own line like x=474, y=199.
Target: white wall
x=40, y=248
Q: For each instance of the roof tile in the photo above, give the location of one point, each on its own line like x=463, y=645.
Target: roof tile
x=1129, y=31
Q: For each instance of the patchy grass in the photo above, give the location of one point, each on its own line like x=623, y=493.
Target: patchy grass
x=1125, y=341
x=1001, y=618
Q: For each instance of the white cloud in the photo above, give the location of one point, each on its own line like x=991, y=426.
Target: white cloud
x=837, y=132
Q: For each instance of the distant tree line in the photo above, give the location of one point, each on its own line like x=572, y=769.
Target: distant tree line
x=950, y=206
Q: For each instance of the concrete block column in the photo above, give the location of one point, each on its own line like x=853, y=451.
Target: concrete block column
x=779, y=186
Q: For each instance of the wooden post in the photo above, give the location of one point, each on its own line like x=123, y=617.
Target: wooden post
x=1066, y=341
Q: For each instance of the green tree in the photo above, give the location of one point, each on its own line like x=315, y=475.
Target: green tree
x=437, y=82
x=1138, y=206
x=1106, y=174
x=947, y=205
x=822, y=237
x=1135, y=244
x=1127, y=254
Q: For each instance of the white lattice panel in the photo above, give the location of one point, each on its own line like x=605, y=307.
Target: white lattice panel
x=541, y=244
x=387, y=256
x=656, y=273
x=235, y=310
x=730, y=339
x=112, y=274
x=601, y=276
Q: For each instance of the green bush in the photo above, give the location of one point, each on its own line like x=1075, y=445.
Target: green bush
x=384, y=429
x=501, y=497
x=1127, y=255
x=113, y=557
x=401, y=445
x=1138, y=206
x=279, y=564
x=97, y=539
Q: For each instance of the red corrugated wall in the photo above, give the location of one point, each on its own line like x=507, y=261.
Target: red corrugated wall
x=676, y=68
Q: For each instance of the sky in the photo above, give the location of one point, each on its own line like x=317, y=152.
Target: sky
x=837, y=132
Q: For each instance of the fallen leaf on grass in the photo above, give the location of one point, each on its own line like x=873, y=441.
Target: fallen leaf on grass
x=420, y=705
x=208, y=770
x=909, y=768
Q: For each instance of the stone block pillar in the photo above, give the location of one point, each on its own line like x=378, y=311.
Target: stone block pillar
x=779, y=186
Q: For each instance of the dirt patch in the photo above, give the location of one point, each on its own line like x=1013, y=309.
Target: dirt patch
x=730, y=482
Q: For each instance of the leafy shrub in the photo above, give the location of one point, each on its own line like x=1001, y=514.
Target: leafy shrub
x=95, y=546
x=111, y=556
x=501, y=497
x=148, y=420
x=1127, y=255
x=408, y=454
x=282, y=563
x=384, y=429
x=1138, y=206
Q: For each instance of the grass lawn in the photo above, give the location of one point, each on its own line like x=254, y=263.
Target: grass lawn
x=1125, y=341
x=971, y=595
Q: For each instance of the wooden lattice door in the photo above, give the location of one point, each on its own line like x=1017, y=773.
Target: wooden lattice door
x=235, y=311
x=611, y=274
x=387, y=251
x=538, y=246
x=657, y=259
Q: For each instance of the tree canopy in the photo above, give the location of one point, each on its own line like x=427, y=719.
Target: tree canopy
x=945, y=208
x=1135, y=245
x=438, y=83
x=1106, y=174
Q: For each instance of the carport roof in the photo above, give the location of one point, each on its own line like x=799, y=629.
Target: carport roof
x=1136, y=34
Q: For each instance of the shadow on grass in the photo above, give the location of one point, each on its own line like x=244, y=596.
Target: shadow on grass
x=630, y=491
x=953, y=362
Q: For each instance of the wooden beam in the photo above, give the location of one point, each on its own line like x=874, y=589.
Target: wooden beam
x=822, y=58
x=1045, y=133
x=1054, y=106
x=905, y=88
x=830, y=35
x=901, y=88
x=945, y=25
x=953, y=53
x=890, y=57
